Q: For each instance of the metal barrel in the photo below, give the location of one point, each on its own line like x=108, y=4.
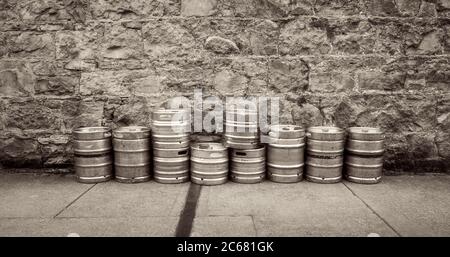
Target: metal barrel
x=209, y=164
x=325, y=152
x=170, y=134
x=92, y=151
x=364, y=155
x=132, y=154
x=248, y=165
x=171, y=166
x=285, y=153
x=171, y=122
x=241, y=129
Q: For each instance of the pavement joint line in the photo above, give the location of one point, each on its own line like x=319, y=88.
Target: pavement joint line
x=373, y=211
x=184, y=227
x=254, y=225
x=76, y=199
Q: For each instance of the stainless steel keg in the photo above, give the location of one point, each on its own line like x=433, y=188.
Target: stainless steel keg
x=241, y=128
x=364, y=155
x=171, y=122
x=248, y=165
x=285, y=153
x=209, y=163
x=92, y=151
x=171, y=166
x=325, y=151
x=132, y=154
x=171, y=142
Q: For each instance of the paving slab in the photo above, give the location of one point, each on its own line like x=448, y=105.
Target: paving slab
x=224, y=226
x=299, y=209
x=61, y=227
x=412, y=205
x=113, y=199
x=38, y=196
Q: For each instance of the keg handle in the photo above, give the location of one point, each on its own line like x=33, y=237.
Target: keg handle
x=325, y=130
x=308, y=134
x=365, y=130
x=182, y=152
x=241, y=153
x=107, y=134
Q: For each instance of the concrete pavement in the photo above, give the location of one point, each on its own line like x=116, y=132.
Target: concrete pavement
x=56, y=205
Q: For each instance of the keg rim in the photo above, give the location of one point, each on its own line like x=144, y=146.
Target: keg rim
x=365, y=133
x=212, y=146
x=132, y=132
x=90, y=133
x=286, y=128
x=326, y=130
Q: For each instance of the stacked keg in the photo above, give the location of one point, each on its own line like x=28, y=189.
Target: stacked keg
x=241, y=128
x=285, y=153
x=170, y=134
x=325, y=152
x=132, y=154
x=209, y=163
x=364, y=155
x=92, y=150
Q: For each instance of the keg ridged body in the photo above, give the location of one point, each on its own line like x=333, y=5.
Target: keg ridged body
x=325, y=153
x=92, y=151
x=248, y=166
x=132, y=156
x=241, y=129
x=364, y=155
x=285, y=153
x=170, y=134
x=209, y=163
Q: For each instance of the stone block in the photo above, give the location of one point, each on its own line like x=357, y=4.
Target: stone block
x=16, y=79
x=133, y=9
x=304, y=37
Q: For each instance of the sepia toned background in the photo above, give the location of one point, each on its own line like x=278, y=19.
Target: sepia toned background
x=68, y=63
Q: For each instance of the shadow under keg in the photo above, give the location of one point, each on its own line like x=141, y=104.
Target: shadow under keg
x=325, y=152
x=92, y=154
x=364, y=155
x=285, y=153
x=248, y=166
x=132, y=154
x=209, y=163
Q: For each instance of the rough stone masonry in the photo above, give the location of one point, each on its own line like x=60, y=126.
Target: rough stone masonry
x=66, y=63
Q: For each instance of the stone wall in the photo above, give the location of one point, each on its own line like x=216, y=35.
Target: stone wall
x=66, y=63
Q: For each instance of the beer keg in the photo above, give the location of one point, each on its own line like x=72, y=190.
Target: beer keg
x=325, y=151
x=170, y=134
x=241, y=128
x=209, y=163
x=171, y=166
x=248, y=165
x=171, y=122
x=92, y=152
x=285, y=153
x=132, y=154
x=364, y=155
